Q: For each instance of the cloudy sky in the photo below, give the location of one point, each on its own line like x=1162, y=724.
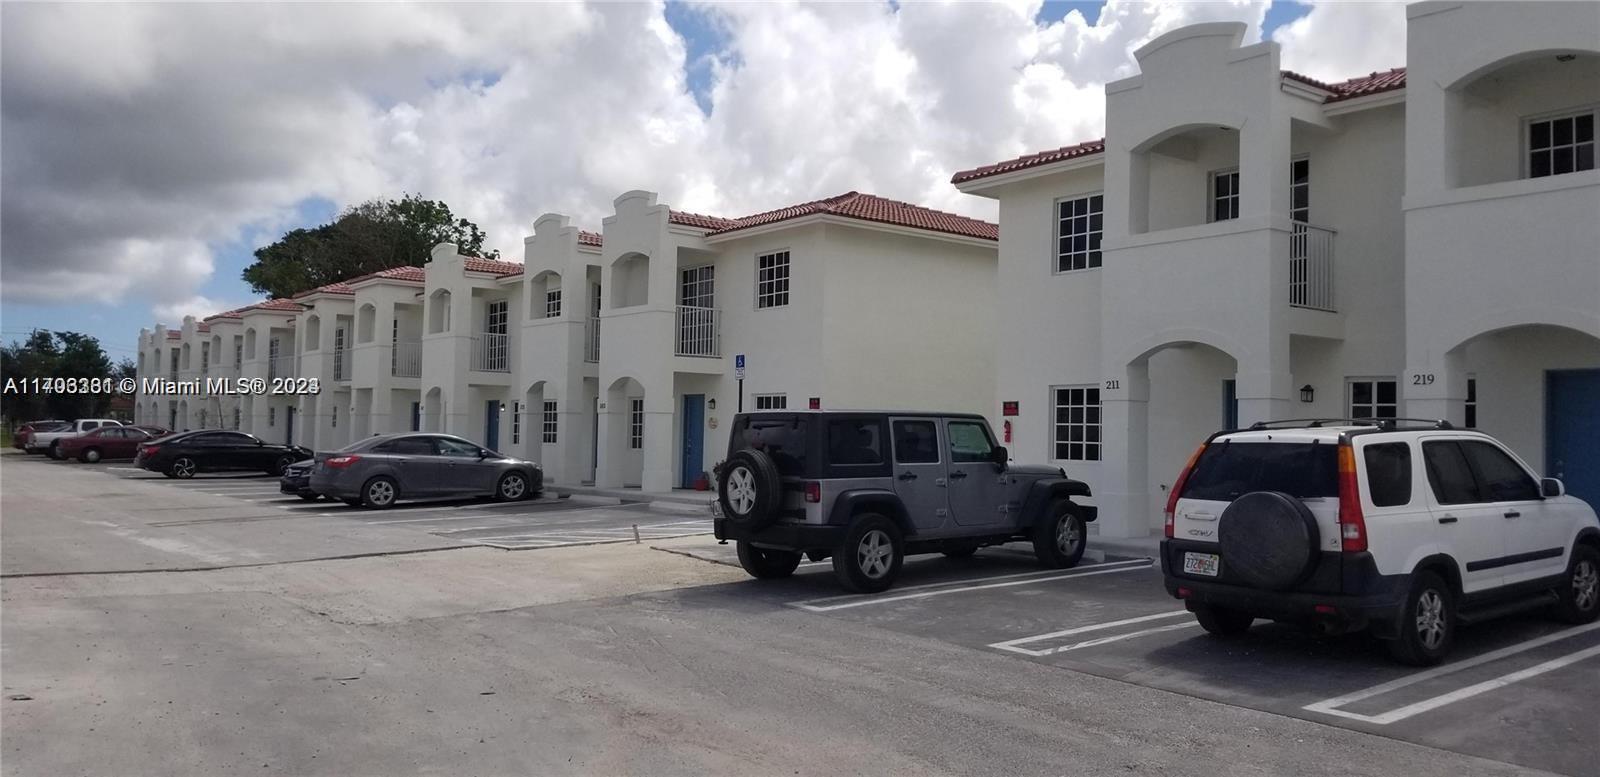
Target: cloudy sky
x=146, y=150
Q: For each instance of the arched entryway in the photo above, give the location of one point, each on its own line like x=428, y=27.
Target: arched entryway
x=433, y=410
x=622, y=449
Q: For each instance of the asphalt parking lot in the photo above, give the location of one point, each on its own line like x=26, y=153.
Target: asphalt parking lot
x=1521, y=690
x=554, y=520
x=1524, y=690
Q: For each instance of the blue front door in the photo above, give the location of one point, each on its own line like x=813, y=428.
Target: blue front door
x=694, y=431
x=1572, y=431
x=491, y=424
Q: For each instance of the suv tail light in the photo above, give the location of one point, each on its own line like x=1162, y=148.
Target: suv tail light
x=1352, y=524
x=1177, y=488
x=340, y=462
x=813, y=491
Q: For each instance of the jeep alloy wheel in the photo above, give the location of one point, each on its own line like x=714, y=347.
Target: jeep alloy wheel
x=874, y=554
x=741, y=490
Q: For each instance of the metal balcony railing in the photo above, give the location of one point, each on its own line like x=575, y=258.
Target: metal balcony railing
x=282, y=366
x=491, y=352
x=591, y=340
x=699, y=332
x=1311, y=267
x=405, y=361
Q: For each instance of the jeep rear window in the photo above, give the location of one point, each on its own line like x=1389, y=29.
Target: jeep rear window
x=781, y=437
x=1229, y=470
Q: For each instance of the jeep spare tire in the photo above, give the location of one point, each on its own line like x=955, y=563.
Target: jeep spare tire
x=1269, y=539
x=748, y=490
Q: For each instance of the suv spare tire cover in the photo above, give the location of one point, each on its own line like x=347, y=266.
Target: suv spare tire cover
x=1269, y=539
x=748, y=490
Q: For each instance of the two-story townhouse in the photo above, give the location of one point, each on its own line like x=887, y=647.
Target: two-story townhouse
x=222, y=360
x=326, y=327
x=1238, y=249
x=471, y=326
x=271, y=343
x=385, y=384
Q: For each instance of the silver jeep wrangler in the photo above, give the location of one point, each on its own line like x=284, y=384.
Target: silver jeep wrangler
x=868, y=489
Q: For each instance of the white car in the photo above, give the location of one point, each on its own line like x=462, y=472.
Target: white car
x=46, y=441
x=1406, y=530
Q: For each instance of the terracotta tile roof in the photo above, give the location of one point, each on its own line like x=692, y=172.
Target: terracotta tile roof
x=173, y=334
x=1361, y=86
x=337, y=287
x=1032, y=160
x=698, y=220
x=405, y=274
x=476, y=264
x=236, y=313
x=869, y=207
x=202, y=327
x=285, y=305
x=589, y=238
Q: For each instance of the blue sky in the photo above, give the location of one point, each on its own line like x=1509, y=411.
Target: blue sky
x=117, y=325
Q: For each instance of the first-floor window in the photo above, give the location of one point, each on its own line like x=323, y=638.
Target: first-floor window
x=1374, y=398
x=1077, y=423
x=772, y=401
x=1472, y=403
x=550, y=420
x=334, y=417
x=516, y=422
x=636, y=424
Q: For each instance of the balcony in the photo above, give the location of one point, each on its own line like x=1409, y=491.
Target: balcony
x=1311, y=267
x=280, y=367
x=341, y=364
x=491, y=352
x=591, y=340
x=699, y=332
x=405, y=361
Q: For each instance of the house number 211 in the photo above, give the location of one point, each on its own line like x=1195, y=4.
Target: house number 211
x=1112, y=385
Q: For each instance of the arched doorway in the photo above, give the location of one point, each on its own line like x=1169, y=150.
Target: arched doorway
x=622, y=449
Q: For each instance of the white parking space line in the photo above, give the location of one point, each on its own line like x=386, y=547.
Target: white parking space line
x=1012, y=644
x=814, y=605
x=1331, y=706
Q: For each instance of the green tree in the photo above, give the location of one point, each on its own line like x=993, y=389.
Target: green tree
x=374, y=235
x=54, y=355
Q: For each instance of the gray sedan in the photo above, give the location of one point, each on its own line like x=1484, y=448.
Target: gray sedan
x=380, y=471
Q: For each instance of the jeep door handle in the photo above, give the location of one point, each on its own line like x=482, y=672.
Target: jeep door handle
x=1448, y=519
x=1513, y=514
x=957, y=475
x=907, y=476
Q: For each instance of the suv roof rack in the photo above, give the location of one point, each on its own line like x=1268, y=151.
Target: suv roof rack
x=1385, y=424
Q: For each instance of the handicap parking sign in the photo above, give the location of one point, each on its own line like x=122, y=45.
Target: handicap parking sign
x=738, y=366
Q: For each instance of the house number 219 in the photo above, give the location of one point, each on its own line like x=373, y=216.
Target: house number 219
x=1422, y=379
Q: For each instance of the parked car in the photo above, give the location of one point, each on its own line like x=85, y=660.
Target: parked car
x=184, y=455
x=1406, y=530
x=379, y=471
x=153, y=431
x=869, y=488
x=296, y=479
x=107, y=442
x=47, y=440
x=19, y=440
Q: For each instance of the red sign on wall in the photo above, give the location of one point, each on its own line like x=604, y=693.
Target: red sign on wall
x=1008, y=408
x=816, y=403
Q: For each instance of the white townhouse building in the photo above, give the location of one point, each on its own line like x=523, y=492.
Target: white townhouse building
x=1248, y=244
x=613, y=358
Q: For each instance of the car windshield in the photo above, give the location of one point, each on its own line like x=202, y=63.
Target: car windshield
x=1229, y=470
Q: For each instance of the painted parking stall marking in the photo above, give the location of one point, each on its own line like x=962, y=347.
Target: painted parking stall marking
x=900, y=594
x=1016, y=645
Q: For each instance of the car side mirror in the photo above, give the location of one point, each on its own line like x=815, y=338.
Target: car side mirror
x=483, y=453
x=1552, y=488
x=1000, y=456
x=261, y=442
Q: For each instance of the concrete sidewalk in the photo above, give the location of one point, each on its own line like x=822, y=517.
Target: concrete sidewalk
x=677, y=500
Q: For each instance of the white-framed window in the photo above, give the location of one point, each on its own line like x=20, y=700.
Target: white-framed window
x=333, y=417
x=772, y=401
x=205, y=358
x=1076, y=425
x=636, y=424
x=1300, y=189
x=772, y=280
x=1374, y=397
x=697, y=287
x=550, y=420
x=1472, y=403
x=552, y=303
x=1078, y=228
x=1225, y=195
x=495, y=317
x=516, y=423
x=238, y=352
x=272, y=417
x=1558, y=145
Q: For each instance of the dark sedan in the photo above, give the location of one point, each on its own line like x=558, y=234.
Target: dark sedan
x=296, y=480
x=380, y=471
x=107, y=442
x=184, y=455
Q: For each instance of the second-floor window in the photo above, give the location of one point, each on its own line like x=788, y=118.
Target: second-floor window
x=772, y=280
x=1078, y=229
x=1224, y=195
x=1560, y=145
x=697, y=287
x=238, y=352
x=1300, y=190
x=552, y=303
x=494, y=321
x=205, y=358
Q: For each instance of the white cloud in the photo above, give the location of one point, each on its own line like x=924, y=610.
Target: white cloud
x=138, y=135
x=198, y=306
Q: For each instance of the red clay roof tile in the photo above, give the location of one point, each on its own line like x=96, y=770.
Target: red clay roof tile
x=589, y=238
x=477, y=264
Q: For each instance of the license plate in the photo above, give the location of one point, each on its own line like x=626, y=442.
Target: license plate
x=1201, y=564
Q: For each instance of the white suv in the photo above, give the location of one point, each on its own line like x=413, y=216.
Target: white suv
x=1406, y=530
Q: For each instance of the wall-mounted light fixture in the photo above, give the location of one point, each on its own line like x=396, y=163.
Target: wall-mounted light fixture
x=711, y=404
x=1307, y=393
